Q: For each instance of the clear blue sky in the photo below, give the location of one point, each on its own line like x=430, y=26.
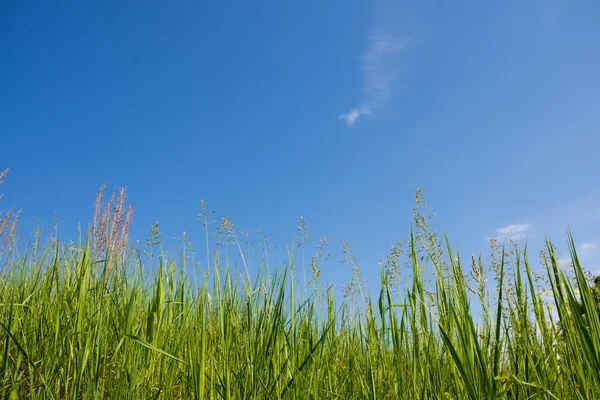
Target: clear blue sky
x=335, y=111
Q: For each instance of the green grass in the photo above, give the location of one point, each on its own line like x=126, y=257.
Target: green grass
x=79, y=325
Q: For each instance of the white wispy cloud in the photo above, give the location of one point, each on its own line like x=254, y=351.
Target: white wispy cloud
x=586, y=252
x=512, y=231
x=589, y=248
x=380, y=64
x=353, y=115
x=564, y=261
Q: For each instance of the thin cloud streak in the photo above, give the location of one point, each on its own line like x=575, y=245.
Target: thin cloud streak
x=381, y=66
x=586, y=252
x=588, y=247
x=353, y=115
x=513, y=232
x=380, y=63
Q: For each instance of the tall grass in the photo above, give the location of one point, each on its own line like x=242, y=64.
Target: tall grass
x=78, y=323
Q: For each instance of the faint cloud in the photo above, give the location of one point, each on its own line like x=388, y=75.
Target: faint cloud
x=587, y=247
x=564, y=262
x=512, y=231
x=353, y=115
x=380, y=63
x=549, y=9
x=586, y=252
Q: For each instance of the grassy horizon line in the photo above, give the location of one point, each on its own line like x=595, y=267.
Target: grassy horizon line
x=95, y=320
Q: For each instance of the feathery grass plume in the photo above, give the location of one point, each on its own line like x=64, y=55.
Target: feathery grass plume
x=392, y=265
x=322, y=254
x=2, y=176
x=111, y=223
x=9, y=220
x=204, y=217
x=302, y=237
x=426, y=239
x=354, y=287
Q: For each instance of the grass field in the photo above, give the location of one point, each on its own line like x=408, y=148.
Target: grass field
x=88, y=320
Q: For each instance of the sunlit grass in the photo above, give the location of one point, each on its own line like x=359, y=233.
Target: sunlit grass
x=76, y=322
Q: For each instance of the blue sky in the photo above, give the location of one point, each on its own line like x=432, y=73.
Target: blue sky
x=334, y=111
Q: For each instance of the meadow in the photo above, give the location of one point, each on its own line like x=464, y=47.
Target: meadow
x=97, y=318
